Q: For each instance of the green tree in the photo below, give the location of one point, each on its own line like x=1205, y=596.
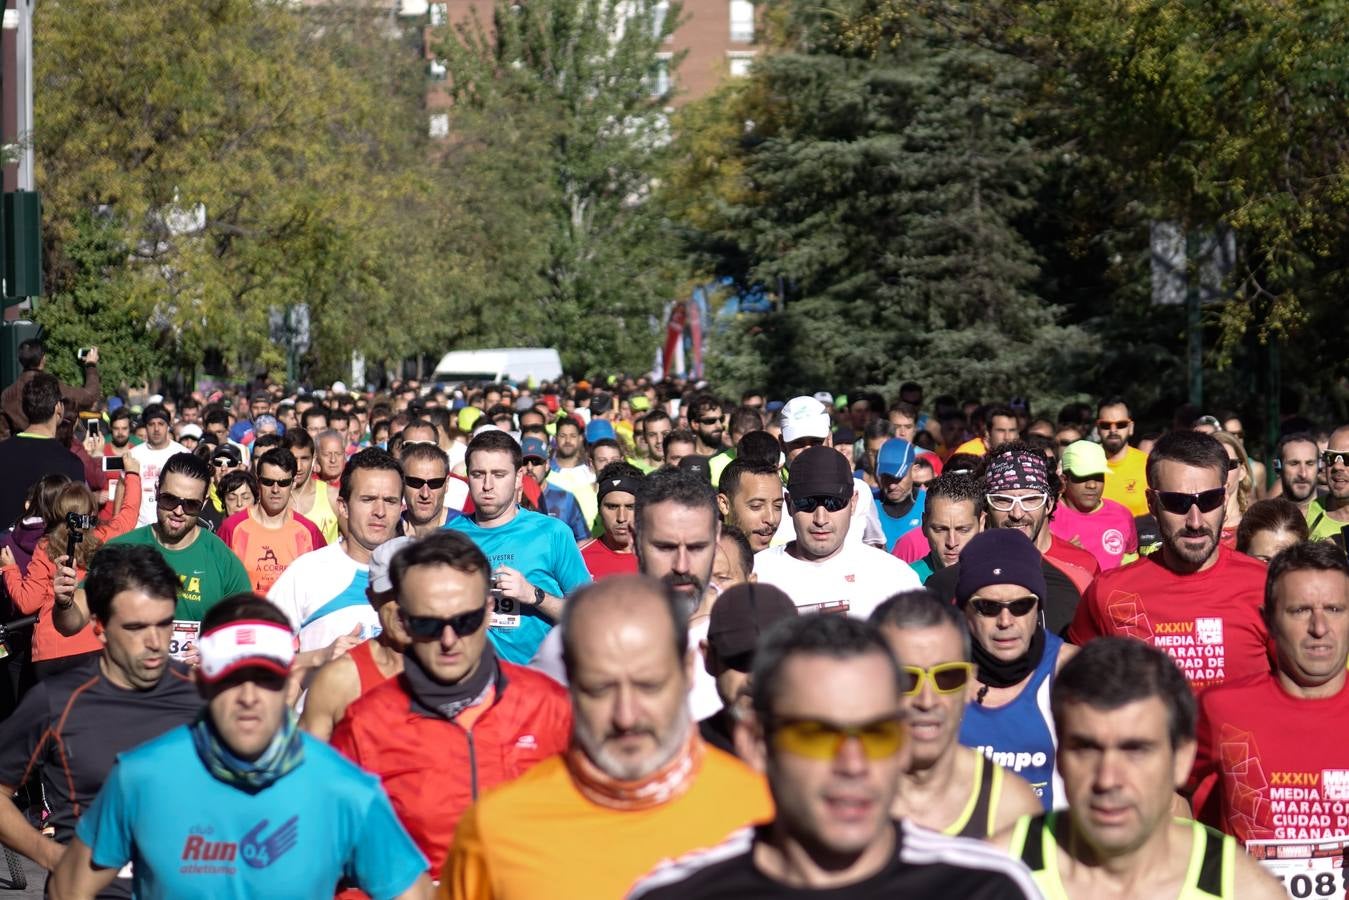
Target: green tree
x=93, y=303
x=883, y=192
x=249, y=156
x=1204, y=113
x=558, y=111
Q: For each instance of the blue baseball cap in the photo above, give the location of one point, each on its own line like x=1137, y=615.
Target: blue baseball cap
x=895, y=458
x=598, y=430
x=533, y=447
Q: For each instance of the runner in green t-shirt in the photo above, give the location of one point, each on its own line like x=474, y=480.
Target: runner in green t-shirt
x=207, y=571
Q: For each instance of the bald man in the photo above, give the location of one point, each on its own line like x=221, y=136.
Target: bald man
x=568, y=829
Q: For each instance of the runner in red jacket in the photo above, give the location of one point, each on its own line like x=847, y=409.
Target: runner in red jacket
x=457, y=721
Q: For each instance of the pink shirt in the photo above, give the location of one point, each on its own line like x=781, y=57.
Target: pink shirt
x=1107, y=534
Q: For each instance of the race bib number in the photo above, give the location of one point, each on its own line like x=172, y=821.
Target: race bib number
x=505, y=612
x=1305, y=868
x=184, y=640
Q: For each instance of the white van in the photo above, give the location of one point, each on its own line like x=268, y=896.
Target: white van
x=514, y=364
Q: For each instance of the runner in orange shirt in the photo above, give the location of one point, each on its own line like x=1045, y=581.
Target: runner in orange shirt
x=268, y=536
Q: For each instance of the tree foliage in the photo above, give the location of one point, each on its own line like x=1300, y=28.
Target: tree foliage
x=561, y=135
x=249, y=155
x=882, y=196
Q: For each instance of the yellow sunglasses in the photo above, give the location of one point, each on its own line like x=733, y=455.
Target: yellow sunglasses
x=817, y=739
x=946, y=678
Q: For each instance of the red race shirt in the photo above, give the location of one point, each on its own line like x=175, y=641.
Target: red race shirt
x=1209, y=622
x=1079, y=565
x=601, y=562
x=1271, y=766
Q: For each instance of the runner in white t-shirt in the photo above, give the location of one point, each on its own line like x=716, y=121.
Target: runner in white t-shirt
x=323, y=591
x=805, y=423
x=821, y=570
x=156, y=450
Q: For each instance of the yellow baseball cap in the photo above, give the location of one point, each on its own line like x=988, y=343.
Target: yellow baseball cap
x=1083, y=458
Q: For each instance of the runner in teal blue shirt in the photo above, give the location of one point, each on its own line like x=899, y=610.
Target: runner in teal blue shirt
x=535, y=560
x=241, y=803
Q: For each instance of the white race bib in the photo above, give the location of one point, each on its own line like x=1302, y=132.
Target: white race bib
x=1307, y=868
x=184, y=640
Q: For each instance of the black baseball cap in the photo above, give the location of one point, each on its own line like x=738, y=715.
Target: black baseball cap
x=820, y=472
x=741, y=615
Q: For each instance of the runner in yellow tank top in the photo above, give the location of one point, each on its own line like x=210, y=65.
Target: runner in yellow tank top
x=945, y=787
x=1125, y=719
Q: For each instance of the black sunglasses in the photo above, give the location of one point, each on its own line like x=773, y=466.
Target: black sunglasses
x=810, y=504
x=169, y=502
x=429, y=628
x=1179, y=503
x=1330, y=457
x=275, y=482
x=713, y=420
x=417, y=484
x=993, y=608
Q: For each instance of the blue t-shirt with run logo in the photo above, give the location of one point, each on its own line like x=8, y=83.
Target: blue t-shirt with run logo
x=189, y=834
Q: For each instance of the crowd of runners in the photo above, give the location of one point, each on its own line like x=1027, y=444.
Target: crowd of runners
x=627, y=638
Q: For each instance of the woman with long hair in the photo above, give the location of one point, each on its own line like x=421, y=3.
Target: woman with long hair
x=33, y=592
x=1240, y=486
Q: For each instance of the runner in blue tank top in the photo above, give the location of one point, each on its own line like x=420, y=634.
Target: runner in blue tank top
x=241, y=803
x=1001, y=590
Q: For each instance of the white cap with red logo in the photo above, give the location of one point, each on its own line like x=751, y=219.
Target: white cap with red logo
x=246, y=644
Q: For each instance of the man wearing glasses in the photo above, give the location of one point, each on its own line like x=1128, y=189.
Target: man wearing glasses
x=1328, y=518
x=946, y=786
x=268, y=536
x=1021, y=493
x=821, y=570
x=830, y=734
x=1001, y=591
x=458, y=720
x=426, y=474
x=207, y=570
x=1193, y=598
x=1127, y=483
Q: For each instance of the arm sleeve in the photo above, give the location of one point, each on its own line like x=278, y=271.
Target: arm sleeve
x=30, y=591
x=575, y=521
x=125, y=520
x=465, y=875
x=22, y=737
x=384, y=861
x=79, y=398
x=315, y=536
x=1084, y=626
x=571, y=568
x=106, y=826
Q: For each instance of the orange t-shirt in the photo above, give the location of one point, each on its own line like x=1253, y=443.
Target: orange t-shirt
x=266, y=552
x=538, y=836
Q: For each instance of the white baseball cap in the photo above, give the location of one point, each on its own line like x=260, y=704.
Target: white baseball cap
x=804, y=417
x=379, y=563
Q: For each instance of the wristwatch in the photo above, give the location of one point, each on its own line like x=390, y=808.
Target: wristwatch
x=538, y=597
